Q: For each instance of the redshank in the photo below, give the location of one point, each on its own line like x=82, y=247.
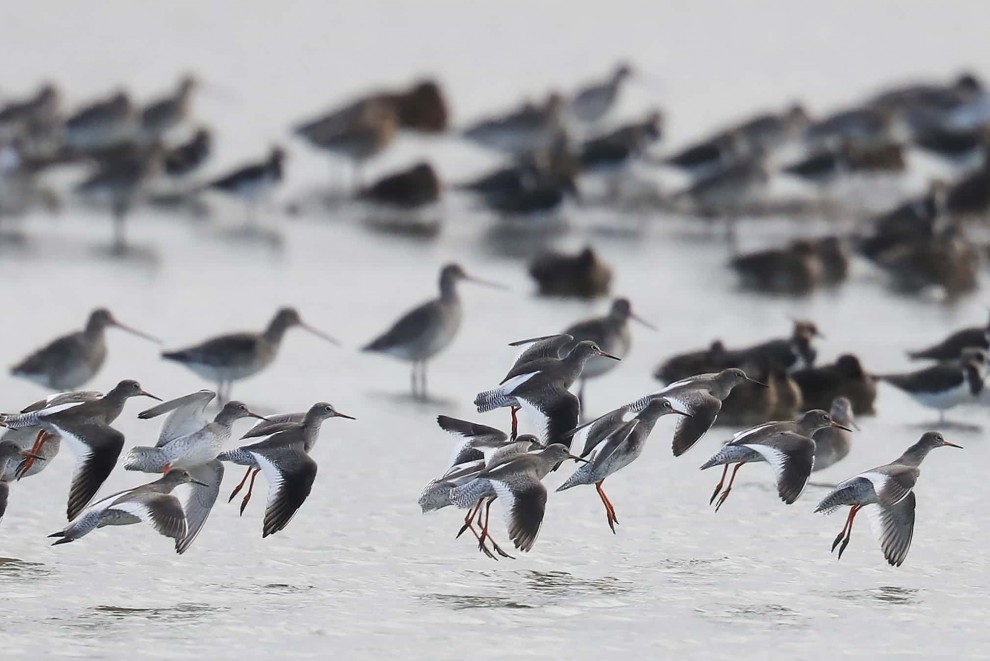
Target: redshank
x=887, y=494
x=11, y=454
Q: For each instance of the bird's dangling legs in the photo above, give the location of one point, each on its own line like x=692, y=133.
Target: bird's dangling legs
x=472, y=511
x=485, y=534
x=609, y=508
x=247, y=496
x=27, y=462
x=718, y=487
x=514, y=412
x=240, y=486
x=846, y=531
x=725, y=494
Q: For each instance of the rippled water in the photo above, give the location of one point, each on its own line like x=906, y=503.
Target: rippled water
x=360, y=573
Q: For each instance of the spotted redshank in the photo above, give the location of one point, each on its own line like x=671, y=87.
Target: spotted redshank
x=229, y=358
x=34, y=438
x=152, y=503
x=427, y=329
x=787, y=446
x=617, y=450
x=285, y=461
x=11, y=454
x=71, y=360
x=887, y=493
x=86, y=428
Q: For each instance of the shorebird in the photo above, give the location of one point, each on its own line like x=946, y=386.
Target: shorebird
x=729, y=190
x=701, y=396
x=832, y=443
x=479, y=446
x=162, y=115
x=614, y=150
x=408, y=189
x=945, y=385
x=427, y=329
x=951, y=348
x=120, y=183
x=70, y=361
x=611, y=333
x=152, y=502
x=253, y=182
x=887, y=493
x=583, y=275
x=847, y=158
x=787, y=446
x=517, y=482
x=860, y=126
x=236, y=356
x=592, y=103
x=539, y=388
x=794, y=269
x=189, y=156
x=191, y=442
x=102, y=124
x=86, y=428
x=530, y=128
x=708, y=156
x=35, y=440
x=820, y=385
x=616, y=450
x=356, y=132
x=11, y=454
x=40, y=110
x=285, y=461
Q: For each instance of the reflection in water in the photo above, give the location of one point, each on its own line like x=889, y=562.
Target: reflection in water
x=561, y=583
x=14, y=567
x=404, y=225
x=768, y=616
x=465, y=601
x=890, y=594
x=131, y=256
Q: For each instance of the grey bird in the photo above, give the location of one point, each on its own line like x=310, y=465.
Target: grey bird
x=191, y=442
x=539, y=388
x=11, y=454
x=70, y=361
x=236, y=356
x=152, y=502
x=611, y=333
x=285, y=461
x=86, y=428
x=592, y=103
x=616, y=450
x=517, y=482
x=786, y=445
x=162, y=115
x=832, y=443
x=945, y=385
x=427, y=329
x=887, y=493
x=952, y=347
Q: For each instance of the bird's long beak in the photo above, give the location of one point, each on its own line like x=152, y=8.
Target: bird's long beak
x=838, y=426
x=759, y=383
x=644, y=322
x=604, y=354
x=148, y=394
x=952, y=445
x=252, y=414
x=577, y=458
x=684, y=413
x=202, y=484
x=485, y=283
x=338, y=414
x=320, y=334
x=134, y=331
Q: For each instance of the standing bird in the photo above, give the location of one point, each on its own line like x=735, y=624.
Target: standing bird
x=189, y=156
x=787, y=446
x=845, y=377
x=285, y=461
x=236, y=356
x=153, y=503
x=539, y=387
x=86, y=428
x=832, y=443
x=104, y=123
x=887, y=493
x=518, y=483
x=11, y=454
x=592, y=103
x=253, y=183
x=945, y=385
x=617, y=450
x=427, y=329
x=611, y=333
x=952, y=347
x=190, y=442
x=71, y=360
x=162, y=115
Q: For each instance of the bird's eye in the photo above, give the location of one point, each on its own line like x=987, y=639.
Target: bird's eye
x=666, y=405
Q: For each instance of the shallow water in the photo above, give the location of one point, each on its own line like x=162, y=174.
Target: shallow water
x=360, y=573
